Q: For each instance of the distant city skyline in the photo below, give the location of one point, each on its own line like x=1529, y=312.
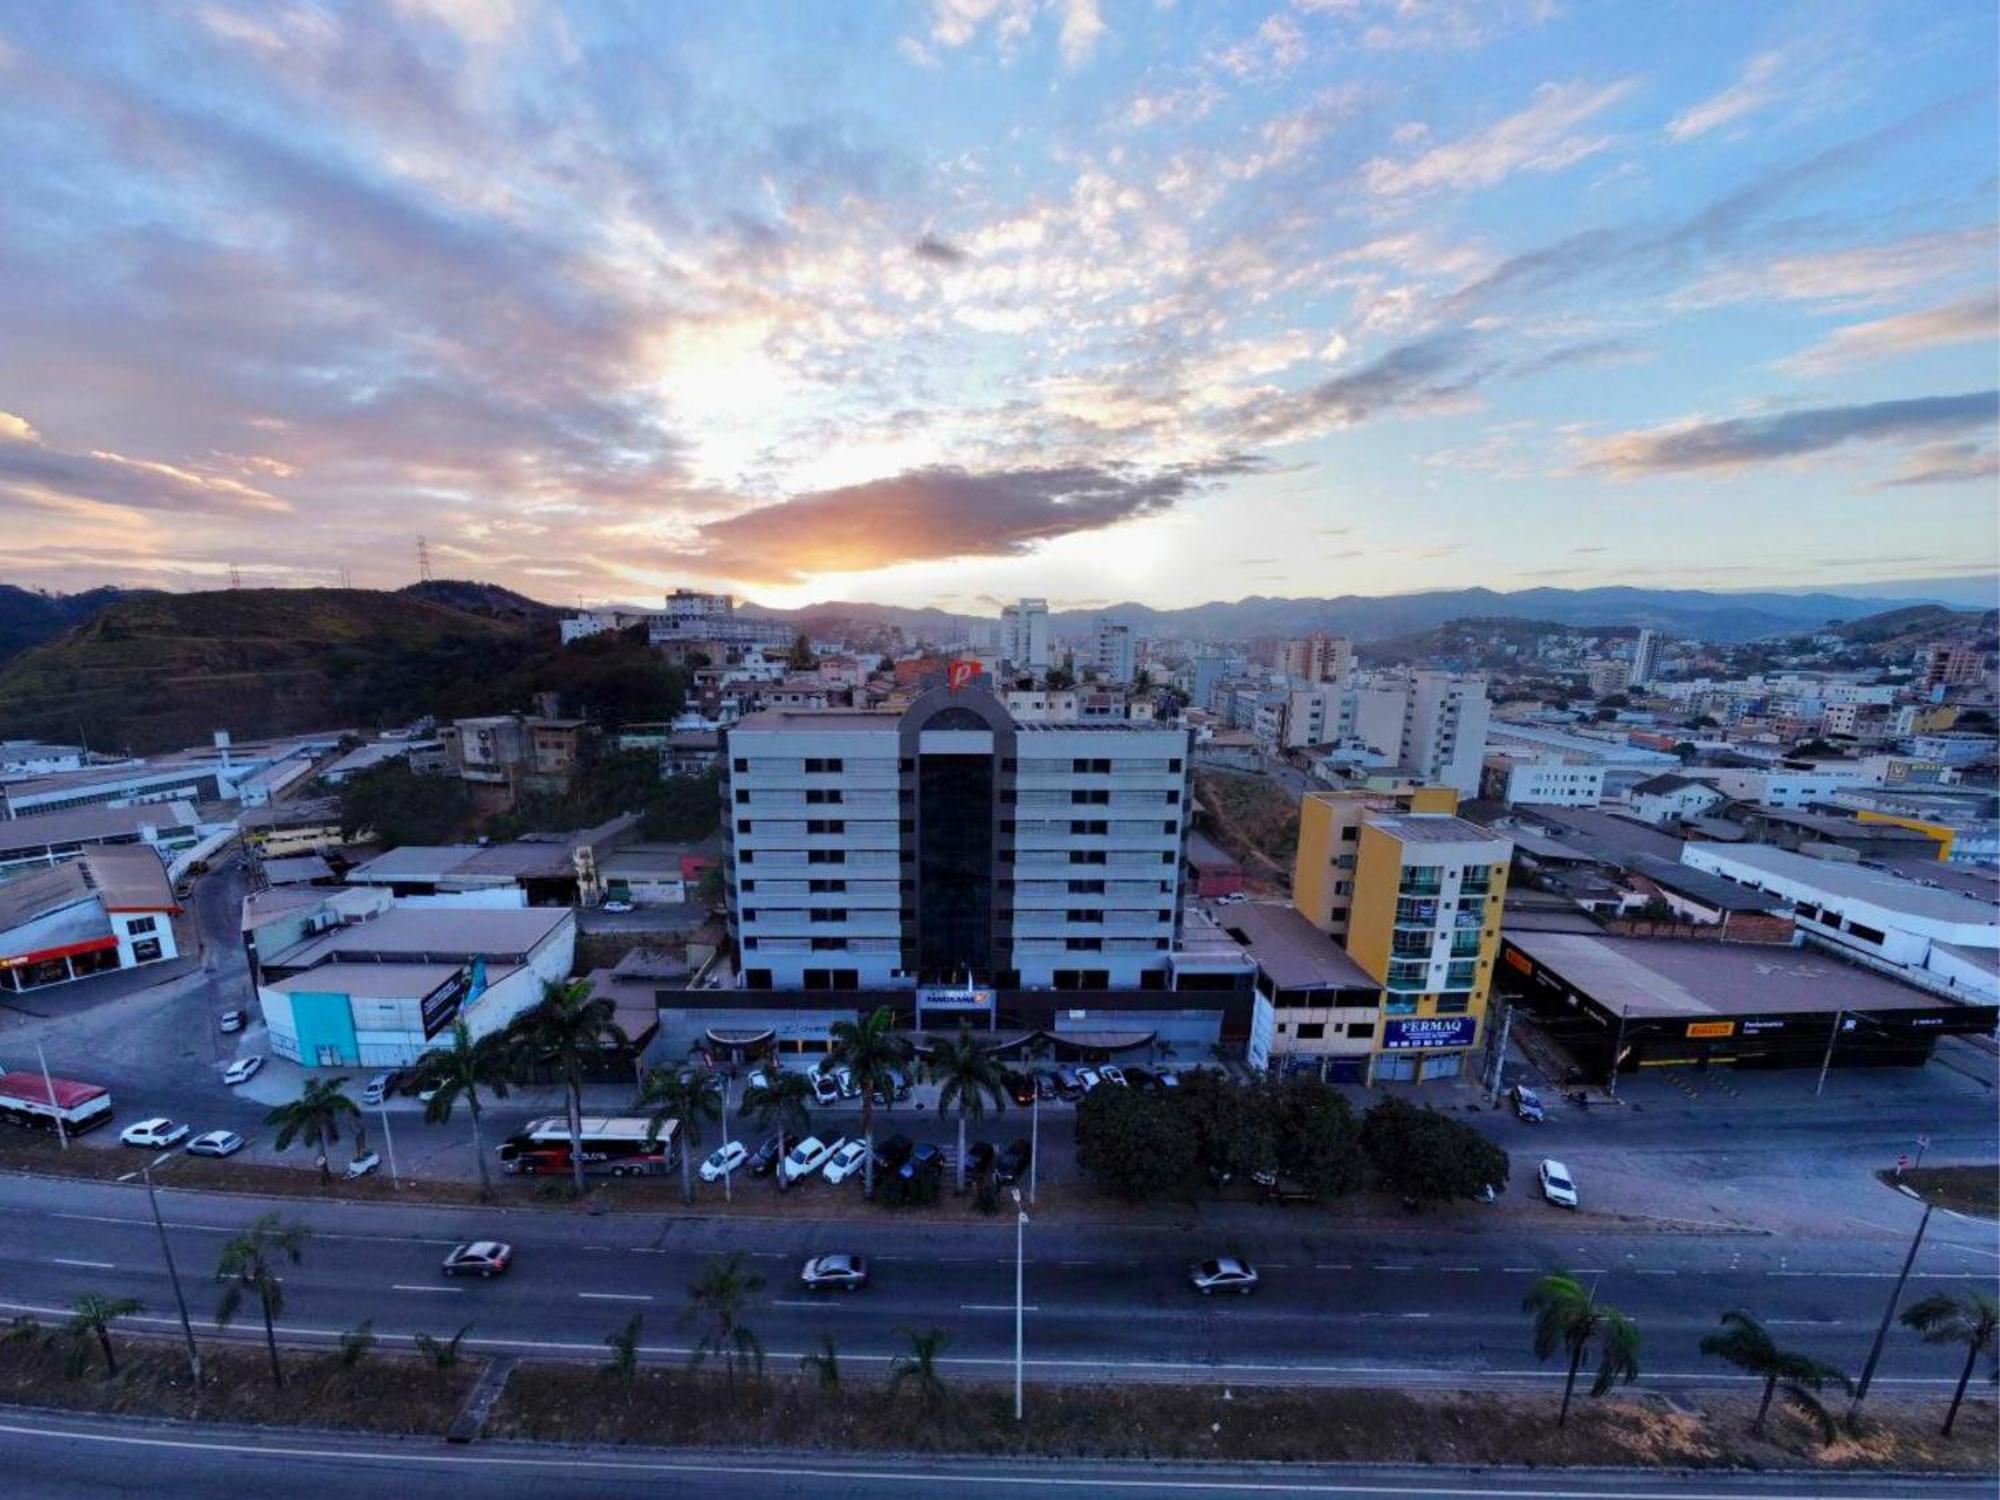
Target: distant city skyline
x=948, y=302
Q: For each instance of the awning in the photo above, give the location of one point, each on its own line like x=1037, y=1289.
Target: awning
x=1102, y=1041
x=722, y=1037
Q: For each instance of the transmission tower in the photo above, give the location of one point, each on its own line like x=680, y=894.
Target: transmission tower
x=424, y=558
x=235, y=576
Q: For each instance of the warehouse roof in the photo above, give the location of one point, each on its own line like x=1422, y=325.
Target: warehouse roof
x=370, y=981
x=1646, y=978
x=86, y=824
x=1709, y=890
x=419, y=932
x=412, y=862
x=1857, y=882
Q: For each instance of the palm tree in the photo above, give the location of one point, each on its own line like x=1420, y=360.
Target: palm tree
x=624, y=1346
x=786, y=1102
x=315, y=1118
x=686, y=1095
x=718, y=1301
x=967, y=1076
x=460, y=1071
x=567, y=1030
x=920, y=1366
x=1972, y=1320
x=91, y=1317
x=247, y=1265
x=1569, y=1318
x=870, y=1049
x=824, y=1362
x=442, y=1353
x=1746, y=1344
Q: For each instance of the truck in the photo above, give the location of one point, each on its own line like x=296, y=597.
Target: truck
x=38, y=1103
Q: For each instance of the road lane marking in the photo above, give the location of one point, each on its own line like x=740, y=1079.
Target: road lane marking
x=1332, y=1265
x=1473, y=1269
x=995, y=1307
x=91, y=1265
x=616, y=1296
x=813, y=1302
x=1644, y=1271
x=1395, y=1268
x=398, y=1286
x=769, y=1255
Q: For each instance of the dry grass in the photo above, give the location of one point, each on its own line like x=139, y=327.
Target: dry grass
x=394, y=1393
x=1965, y=1190
x=673, y=1407
x=1256, y=819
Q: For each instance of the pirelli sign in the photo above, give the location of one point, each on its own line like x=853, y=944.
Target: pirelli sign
x=1711, y=1028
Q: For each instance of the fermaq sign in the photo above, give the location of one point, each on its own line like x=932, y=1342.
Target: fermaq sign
x=1408, y=1033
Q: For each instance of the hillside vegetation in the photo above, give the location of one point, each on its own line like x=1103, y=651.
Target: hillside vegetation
x=160, y=671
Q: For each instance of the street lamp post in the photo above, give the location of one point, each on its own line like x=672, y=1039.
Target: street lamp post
x=173, y=1272
x=389, y=1145
x=1034, y=1142
x=1826, y=1061
x=55, y=1109
x=1888, y=1315
x=1020, y=1289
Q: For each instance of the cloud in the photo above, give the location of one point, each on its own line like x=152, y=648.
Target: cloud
x=15, y=429
x=1742, y=441
x=1974, y=321
x=1082, y=27
x=34, y=473
x=1750, y=93
x=939, y=251
x=1944, y=463
x=1271, y=51
x=941, y=512
x=1855, y=276
x=1412, y=25
x=1540, y=138
x=1410, y=377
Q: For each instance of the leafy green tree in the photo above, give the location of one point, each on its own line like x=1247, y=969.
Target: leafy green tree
x=624, y=1345
x=91, y=1318
x=1748, y=1345
x=800, y=658
x=968, y=1078
x=566, y=1031
x=1428, y=1156
x=1972, y=1320
x=442, y=1354
x=871, y=1050
x=357, y=1343
x=397, y=806
x=1233, y=1128
x=1685, y=750
x=919, y=1367
x=458, y=1072
x=783, y=1104
x=1134, y=1145
x=690, y=1096
x=823, y=1362
x=1570, y=1319
x=684, y=809
x=1317, y=1136
x=315, y=1118
x=248, y=1267
x=717, y=1303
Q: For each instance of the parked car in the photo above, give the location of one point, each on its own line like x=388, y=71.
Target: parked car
x=825, y=1090
x=1231, y=898
x=1013, y=1164
x=764, y=1160
x=809, y=1155
x=1168, y=1078
x=1528, y=1104
x=834, y=1273
x=894, y=1087
x=619, y=907
x=215, y=1143
x=1557, y=1185
x=375, y=1090
x=1142, y=1078
x=1045, y=1085
x=1225, y=1273
x=429, y=1091
x=1088, y=1079
x=1112, y=1074
x=232, y=1021
x=1069, y=1083
x=1288, y=1191
x=845, y=1162
x=361, y=1166
x=849, y=1089
x=480, y=1258
x=723, y=1160
x=892, y=1153
x=926, y=1158
x=979, y=1158
x=155, y=1134
x=243, y=1069
x=1020, y=1087
x=757, y=1078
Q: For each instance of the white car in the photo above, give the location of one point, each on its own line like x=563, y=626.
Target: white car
x=153, y=1134
x=215, y=1143
x=1088, y=1078
x=825, y=1089
x=1557, y=1185
x=361, y=1166
x=1226, y=1273
x=1110, y=1074
x=243, y=1069
x=724, y=1160
x=757, y=1078
x=846, y=1161
x=808, y=1156
x=620, y=907
x=231, y=1021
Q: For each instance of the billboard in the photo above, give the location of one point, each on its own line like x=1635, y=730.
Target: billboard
x=961, y=674
x=1408, y=1033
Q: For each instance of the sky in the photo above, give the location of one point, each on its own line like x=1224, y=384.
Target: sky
x=948, y=302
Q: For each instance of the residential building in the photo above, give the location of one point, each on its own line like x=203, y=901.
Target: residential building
x=1779, y=786
x=1043, y=705
x=1607, y=676
x=692, y=616
x=1320, y=1009
x=1645, y=658
x=1318, y=658
x=109, y=908
x=1425, y=924
x=601, y=621
x=1547, y=780
x=1950, y=666
x=1670, y=799
x=1112, y=651
x=1433, y=725
x=1024, y=635
x=1330, y=838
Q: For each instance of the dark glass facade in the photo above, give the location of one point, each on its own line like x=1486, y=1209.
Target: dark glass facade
x=955, y=868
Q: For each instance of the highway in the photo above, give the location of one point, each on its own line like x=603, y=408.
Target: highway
x=53, y=1457
x=1103, y=1301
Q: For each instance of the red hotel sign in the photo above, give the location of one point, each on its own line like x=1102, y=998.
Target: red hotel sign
x=961, y=674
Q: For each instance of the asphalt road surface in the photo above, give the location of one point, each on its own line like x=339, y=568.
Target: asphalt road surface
x=1102, y=1302
x=50, y=1457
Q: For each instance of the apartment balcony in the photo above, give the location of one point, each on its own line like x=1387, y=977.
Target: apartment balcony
x=1408, y=978
x=1476, y=889
x=1465, y=944
x=1408, y=950
x=1468, y=919
x=1461, y=976
x=1416, y=913
x=1426, y=884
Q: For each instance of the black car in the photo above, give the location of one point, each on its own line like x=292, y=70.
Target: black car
x=764, y=1160
x=892, y=1153
x=926, y=1158
x=1141, y=1078
x=1020, y=1087
x=1045, y=1086
x=1013, y=1163
x=980, y=1157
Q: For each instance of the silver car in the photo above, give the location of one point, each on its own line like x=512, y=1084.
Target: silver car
x=1226, y=1273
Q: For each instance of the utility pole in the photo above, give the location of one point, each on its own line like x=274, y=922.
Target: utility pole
x=1034, y=1141
x=1020, y=1322
x=1495, y=1078
x=173, y=1272
x=1827, y=1061
x=389, y=1145
x=55, y=1109
x=1888, y=1316
x=424, y=559
x=1617, y=1054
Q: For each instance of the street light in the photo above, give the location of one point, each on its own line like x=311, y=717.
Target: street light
x=1034, y=1141
x=1888, y=1315
x=173, y=1272
x=1020, y=1242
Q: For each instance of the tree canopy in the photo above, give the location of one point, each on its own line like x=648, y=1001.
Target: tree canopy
x=1428, y=1156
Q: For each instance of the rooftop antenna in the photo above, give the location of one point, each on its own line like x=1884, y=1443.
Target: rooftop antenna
x=424, y=558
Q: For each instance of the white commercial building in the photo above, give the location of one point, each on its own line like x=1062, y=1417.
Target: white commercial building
x=1024, y=635
x=1112, y=651
x=1432, y=723
x=1645, y=658
x=1546, y=781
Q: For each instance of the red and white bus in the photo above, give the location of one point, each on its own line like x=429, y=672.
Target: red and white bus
x=28, y=1099
x=613, y=1146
